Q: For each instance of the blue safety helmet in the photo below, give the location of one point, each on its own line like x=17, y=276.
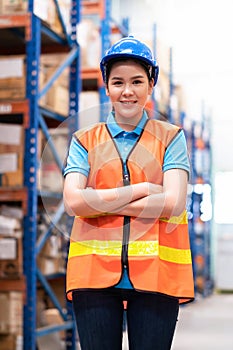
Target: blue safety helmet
x=129, y=47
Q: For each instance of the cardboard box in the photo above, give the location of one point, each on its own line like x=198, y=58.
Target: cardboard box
x=50, y=177
x=52, y=247
x=58, y=99
x=51, y=258
x=12, y=77
x=52, y=317
x=11, y=315
x=12, y=89
x=63, y=79
x=52, y=60
x=89, y=108
x=65, y=9
x=13, y=212
x=14, y=178
x=11, y=134
x=162, y=92
x=11, y=342
x=8, y=7
x=10, y=226
x=50, y=266
x=11, y=155
x=46, y=10
x=11, y=257
x=90, y=43
x=8, y=162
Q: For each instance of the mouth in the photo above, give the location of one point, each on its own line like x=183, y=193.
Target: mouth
x=128, y=102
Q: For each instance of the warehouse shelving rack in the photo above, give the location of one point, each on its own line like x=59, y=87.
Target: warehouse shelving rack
x=200, y=206
x=108, y=26
x=179, y=119
x=171, y=86
x=151, y=105
x=20, y=34
x=199, y=203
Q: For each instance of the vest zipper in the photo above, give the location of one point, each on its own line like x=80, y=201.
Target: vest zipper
x=126, y=230
x=126, y=180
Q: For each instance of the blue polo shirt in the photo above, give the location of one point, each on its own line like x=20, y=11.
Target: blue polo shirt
x=176, y=156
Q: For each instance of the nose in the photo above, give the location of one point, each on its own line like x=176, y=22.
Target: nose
x=127, y=90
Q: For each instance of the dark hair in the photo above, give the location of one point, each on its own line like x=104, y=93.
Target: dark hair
x=147, y=68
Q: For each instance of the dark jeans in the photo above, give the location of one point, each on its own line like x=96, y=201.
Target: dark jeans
x=151, y=319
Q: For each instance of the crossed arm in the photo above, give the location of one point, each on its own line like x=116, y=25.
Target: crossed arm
x=145, y=200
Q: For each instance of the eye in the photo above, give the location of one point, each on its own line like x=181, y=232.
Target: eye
x=117, y=82
x=137, y=82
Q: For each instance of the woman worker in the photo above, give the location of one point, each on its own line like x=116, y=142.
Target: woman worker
x=126, y=186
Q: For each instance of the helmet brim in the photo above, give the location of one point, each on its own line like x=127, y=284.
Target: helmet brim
x=118, y=56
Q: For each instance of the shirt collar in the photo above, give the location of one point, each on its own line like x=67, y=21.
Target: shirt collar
x=115, y=129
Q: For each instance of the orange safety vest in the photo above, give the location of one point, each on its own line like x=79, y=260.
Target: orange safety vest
x=155, y=251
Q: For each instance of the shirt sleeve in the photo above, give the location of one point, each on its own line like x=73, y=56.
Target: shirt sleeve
x=77, y=159
x=176, y=155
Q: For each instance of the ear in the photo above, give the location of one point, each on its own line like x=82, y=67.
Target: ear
x=106, y=90
x=151, y=86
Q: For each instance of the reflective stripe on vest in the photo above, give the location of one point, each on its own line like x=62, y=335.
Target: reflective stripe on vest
x=179, y=220
x=137, y=248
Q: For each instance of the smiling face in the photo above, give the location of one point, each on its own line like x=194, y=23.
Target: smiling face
x=128, y=88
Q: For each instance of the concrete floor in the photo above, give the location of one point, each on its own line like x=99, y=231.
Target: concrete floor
x=206, y=324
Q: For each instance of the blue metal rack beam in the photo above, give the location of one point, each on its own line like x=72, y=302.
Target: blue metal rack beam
x=105, y=45
x=40, y=332
x=55, y=219
x=51, y=294
x=75, y=81
x=64, y=29
x=123, y=28
x=50, y=141
x=53, y=35
x=154, y=114
x=50, y=114
x=171, y=88
x=30, y=171
x=73, y=54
